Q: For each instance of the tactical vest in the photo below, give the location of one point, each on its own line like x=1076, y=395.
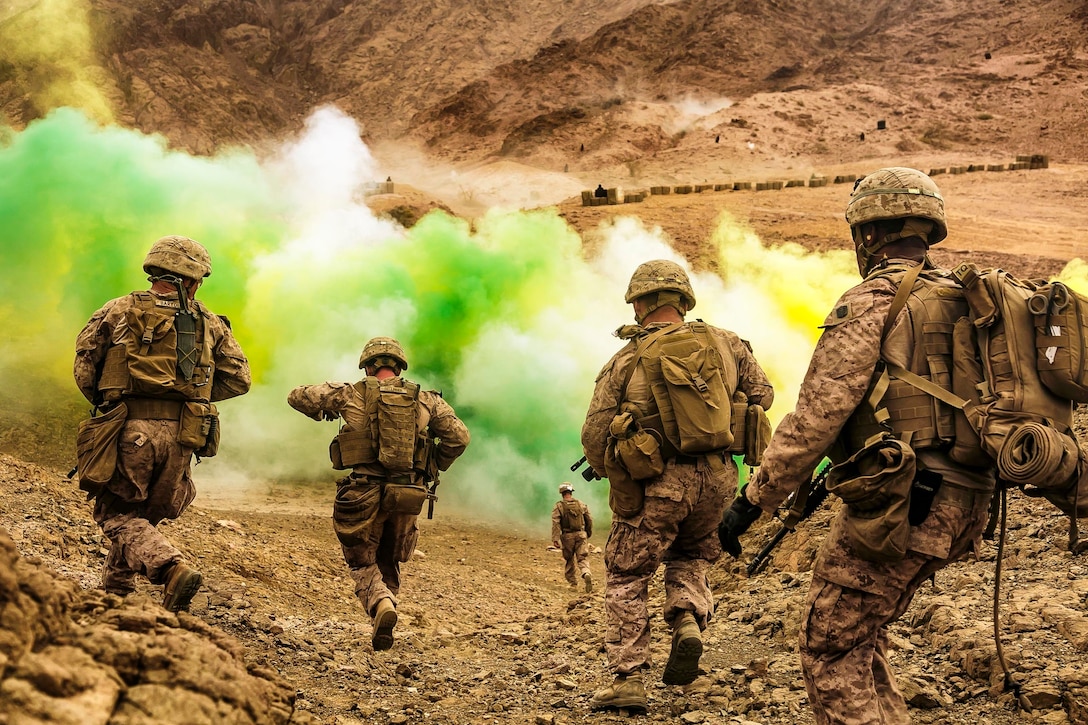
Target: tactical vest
x=691, y=385
x=570, y=517
x=388, y=435
x=143, y=359
x=944, y=353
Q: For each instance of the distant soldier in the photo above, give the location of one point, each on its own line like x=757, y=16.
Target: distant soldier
x=600, y=192
x=663, y=447
x=395, y=438
x=153, y=363
x=571, y=528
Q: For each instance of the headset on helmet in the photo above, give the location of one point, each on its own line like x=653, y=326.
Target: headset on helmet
x=383, y=346
x=180, y=255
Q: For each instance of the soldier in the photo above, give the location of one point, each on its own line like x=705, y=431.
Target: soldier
x=571, y=528
x=157, y=360
x=895, y=215
x=666, y=508
x=395, y=438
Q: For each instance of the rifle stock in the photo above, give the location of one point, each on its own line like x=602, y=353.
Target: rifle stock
x=800, y=505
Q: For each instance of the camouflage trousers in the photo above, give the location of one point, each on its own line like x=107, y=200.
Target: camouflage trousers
x=375, y=560
x=575, y=555
x=153, y=482
x=678, y=526
x=851, y=602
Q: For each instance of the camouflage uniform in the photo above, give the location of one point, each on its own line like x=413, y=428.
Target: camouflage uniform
x=851, y=601
x=678, y=523
x=374, y=555
x=574, y=542
x=153, y=480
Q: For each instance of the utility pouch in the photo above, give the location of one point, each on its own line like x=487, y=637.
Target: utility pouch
x=195, y=424
x=96, y=448
x=923, y=490
x=354, y=511
x=1061, y=340
x=875, y=484
x=398, y=498
x=636, y=448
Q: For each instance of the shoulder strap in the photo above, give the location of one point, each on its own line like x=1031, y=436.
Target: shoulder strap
x=641, y=349
x=899, y=372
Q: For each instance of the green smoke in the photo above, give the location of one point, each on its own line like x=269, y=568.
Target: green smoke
x=307, y=275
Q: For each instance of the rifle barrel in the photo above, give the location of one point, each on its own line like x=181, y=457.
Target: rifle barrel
x=761, y=558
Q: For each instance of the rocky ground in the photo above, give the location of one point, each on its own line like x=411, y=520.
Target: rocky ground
x=490, y=632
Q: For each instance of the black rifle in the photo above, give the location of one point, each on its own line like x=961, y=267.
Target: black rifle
x=801, y=504
x=589, y=474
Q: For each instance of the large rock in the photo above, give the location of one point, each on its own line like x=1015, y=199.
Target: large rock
x=84, y=657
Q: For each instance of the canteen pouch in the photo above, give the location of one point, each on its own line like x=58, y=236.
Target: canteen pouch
x=96, y=448
x=641, y=455
x=354, y=511
x=875, y=484
x=398, y=498
x=196, y=424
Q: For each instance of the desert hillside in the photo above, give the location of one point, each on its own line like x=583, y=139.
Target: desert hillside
x=366, y=168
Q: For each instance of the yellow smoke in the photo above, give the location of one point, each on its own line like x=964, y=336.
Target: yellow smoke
x=46, y=46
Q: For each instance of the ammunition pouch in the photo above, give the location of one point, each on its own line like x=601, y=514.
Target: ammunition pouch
x=875, y=484
x=398, y=498
x=351, y=448
x=96, y=448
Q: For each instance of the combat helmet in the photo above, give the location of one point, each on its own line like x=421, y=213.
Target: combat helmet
x=180, y=255
x=565, y=487
x=896, y=192
x=383, y=346
x=660, y=275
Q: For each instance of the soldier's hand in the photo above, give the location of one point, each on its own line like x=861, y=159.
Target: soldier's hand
x=738, y=518
x=329, y=415
x=555, y=544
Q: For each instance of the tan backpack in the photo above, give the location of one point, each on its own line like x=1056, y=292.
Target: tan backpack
x=691, y=385
x=1024, y=410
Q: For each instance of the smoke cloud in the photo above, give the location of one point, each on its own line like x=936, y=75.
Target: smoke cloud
x=506, y=315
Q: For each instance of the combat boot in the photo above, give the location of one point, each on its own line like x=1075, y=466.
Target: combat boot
x=385, y=618
x=588, y=579
x=687, y=647
x=625, y=693
x=181, y=585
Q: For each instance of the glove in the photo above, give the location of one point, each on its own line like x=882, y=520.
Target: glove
x=738, y=518
x=329, y=415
